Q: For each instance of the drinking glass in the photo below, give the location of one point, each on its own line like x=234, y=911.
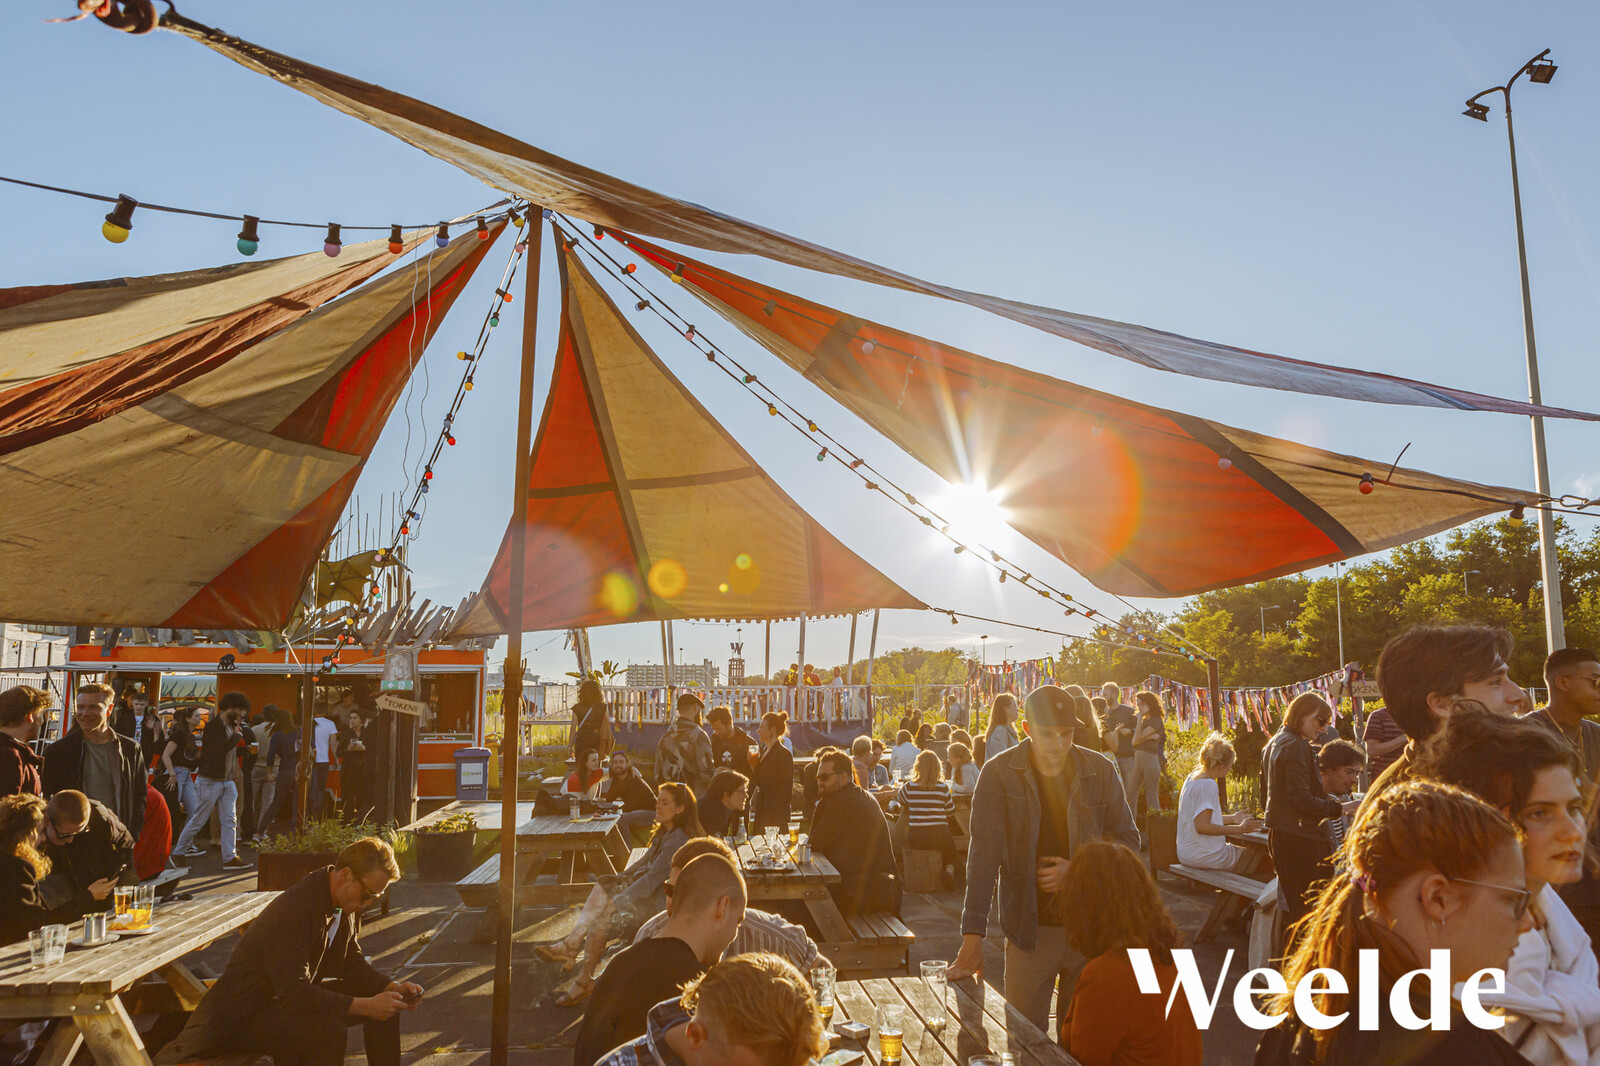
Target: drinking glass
x=935, y=975
x=124, y=898
x=771, y=833
x=574, y=809
x=891, y=1031
x=47, y=945
x=823, y=976
x=984, y=1060
x=144, y=904
x=94, y=927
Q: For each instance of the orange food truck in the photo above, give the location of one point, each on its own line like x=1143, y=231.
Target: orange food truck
x=449, y=687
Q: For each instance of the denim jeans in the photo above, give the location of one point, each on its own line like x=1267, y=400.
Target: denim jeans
x=222, y=795
x=183, y=778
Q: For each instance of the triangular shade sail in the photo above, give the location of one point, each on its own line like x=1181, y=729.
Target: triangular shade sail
x=1140, y=500
x=642, y=507
x=178, y=449
x=547, y=179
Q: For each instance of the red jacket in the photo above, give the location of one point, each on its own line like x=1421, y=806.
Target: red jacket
x=19, y=768
x=155, y=839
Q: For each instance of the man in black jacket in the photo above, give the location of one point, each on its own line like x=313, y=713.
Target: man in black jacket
x=627, y=786
x=298, y=976
x=90, y=852
x=95, y=760
x=216, y=781
x=849, y=830
x=730, y=745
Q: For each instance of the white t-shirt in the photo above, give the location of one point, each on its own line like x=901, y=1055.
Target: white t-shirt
x=1201, y=852
x=323, y=732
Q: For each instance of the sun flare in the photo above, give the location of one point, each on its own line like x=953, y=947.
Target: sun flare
x=974, y=512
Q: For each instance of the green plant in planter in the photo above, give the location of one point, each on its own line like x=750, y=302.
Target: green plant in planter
x=323, y=835
x=461, y=822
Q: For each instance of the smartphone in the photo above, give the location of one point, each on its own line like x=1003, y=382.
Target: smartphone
x=411, y=997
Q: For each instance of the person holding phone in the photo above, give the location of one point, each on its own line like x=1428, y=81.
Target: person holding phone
x=298, y=978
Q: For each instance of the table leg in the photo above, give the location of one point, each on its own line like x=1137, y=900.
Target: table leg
x=64, y=1044
x=528, y=863
x=189, y=988
x=112, y=1038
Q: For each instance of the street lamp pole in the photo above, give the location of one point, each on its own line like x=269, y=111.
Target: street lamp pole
x=1464, y=590
x=1539, y=70
x=1264, y=610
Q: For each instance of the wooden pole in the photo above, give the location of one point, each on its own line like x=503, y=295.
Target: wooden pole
x=766, y=670
x=850, y=660
x=872, y=653
x=511, y=695
x=800, y=674
x=1216, y=694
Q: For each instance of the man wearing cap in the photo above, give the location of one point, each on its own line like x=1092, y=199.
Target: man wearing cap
x=1035, y=806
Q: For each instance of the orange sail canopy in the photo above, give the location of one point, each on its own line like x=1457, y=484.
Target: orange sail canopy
x=642, y=507
x=1141, y=501
x=178, y=449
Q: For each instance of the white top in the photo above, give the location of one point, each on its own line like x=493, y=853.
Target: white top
x=1194, y=849
x=1001, y=738
x=1551, y=999
x=903, y=757
x=964, y=779
x=323, y=732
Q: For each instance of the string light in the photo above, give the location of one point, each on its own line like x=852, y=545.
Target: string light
x=331, y=244
x=442, y=238
x=516, y=219
x=504, y=295
x=250, y=237
x=1517, y=514
x=397, y=242
x=483, y=229
x=1364, y=486
x=642, y=305
x=119, y=222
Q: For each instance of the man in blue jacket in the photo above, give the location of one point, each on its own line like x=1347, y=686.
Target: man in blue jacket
x=1034, y=807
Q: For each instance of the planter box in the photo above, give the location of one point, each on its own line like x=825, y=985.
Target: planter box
x=444, y=856
x=1163, y=834
x=278, y=870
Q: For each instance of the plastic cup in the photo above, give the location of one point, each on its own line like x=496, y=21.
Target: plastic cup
x=47, y=945
x=823, y=976
x=935, y=975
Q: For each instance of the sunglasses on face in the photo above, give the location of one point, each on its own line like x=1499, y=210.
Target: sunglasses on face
x=1521, y=896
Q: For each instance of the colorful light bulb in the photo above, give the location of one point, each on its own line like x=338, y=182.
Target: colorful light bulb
x=331, y=244
x=442, y=238
x=483, y=229
x=397, y=243
x=1365, y=486
x=249, y=239
x=119, y=221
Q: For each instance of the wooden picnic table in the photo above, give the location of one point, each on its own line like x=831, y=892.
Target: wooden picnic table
x=583, y=851
x=978, y=1021
x=1230, y=903
x=486, y=814
x=862, y=944
x=99, y=988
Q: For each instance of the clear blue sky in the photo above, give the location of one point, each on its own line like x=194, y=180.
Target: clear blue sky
x=1281, y=177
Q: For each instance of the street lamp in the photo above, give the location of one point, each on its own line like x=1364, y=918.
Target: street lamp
x=1338, y=606
x=1264, y=611
x=1539, y=70
x=985, y=639
x=1464, y=590
x=1007, y=656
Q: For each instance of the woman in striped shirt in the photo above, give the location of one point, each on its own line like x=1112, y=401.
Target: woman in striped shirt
x=928, y=805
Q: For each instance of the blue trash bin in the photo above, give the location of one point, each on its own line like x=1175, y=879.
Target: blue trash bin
x=472, y=774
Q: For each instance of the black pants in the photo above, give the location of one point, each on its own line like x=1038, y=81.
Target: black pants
x=933, y=838
x=1301, y=861
x=315, y=1039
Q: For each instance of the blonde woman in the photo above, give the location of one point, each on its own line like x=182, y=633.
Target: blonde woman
x=22, y=867
x=1203, y=830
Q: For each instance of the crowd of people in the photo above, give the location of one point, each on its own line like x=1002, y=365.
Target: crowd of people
x=1473, y=837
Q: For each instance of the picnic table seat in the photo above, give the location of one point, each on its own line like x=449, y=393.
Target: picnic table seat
x=1231, y=884
x=880, y=946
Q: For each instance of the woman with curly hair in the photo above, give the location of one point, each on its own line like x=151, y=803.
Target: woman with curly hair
x=1427, y=867
x=1111, y=906
x=22, y=867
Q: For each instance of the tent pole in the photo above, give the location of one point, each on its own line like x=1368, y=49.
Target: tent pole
x=1216, y=693
x=850, y=659
x=767, y=648
x=800, y=674
x=872, y=653
x=511, y=694
x=666, y=668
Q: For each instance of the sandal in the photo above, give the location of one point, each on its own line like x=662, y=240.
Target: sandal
x=556, y=953
x=575, y=994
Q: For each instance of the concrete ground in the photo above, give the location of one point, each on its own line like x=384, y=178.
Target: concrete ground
x=426, y=937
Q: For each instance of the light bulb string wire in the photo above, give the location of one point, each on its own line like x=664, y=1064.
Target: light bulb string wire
x=417, y=508
x=1558, y=505
x=798, y=421
x=1057, y=633
x=168, y=209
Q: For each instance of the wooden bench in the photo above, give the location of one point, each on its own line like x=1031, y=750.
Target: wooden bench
x=880, y=944
x=166, y=882
x=1238, y=893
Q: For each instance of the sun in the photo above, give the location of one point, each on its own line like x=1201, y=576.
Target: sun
x=974, y=512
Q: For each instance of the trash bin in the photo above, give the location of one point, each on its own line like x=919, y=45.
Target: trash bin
x=472, y=774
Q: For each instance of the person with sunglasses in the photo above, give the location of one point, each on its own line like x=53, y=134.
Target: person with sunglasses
x=90, y=853
x=848, y=829
x=1428, y=867
x=1530, y=774
x=1297, y=806
x=298, y=978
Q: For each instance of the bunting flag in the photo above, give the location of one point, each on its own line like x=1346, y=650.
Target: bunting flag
x=514, y=166
x=1257, y=708
x=642, y=507
x=179, y=448
x=1142, y=501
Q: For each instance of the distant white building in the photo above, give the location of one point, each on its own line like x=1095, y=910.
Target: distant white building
x=704, y=674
